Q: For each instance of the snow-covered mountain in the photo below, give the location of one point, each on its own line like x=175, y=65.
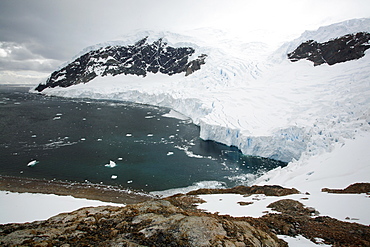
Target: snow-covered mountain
x=241, y=95
x=138, y=59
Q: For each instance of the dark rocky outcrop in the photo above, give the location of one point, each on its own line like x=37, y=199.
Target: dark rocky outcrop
x=342, y=49
x=292, y=207
x=195, y=64
x=356, y=188
x=268, y=190
x=138, y=59
x=295, y=219
x=152, y=223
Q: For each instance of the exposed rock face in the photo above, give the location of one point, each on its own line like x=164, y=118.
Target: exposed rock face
x=138, y=59
x=195, y=64
x=152, y=223
x=346, y=48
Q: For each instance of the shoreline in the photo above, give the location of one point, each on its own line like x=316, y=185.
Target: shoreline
x=104, y=193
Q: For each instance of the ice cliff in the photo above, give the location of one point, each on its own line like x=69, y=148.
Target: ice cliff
x=241, y=94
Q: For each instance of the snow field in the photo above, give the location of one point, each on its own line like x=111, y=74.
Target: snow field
x=350, y=208
x=299, y=241
x=28, y=207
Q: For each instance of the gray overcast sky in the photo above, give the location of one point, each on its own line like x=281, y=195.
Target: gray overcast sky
x=37, y=36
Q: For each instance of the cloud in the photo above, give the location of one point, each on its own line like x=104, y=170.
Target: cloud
x=22, y=77
x=15, y=56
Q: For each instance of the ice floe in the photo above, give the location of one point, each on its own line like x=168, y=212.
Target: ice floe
x=111, y=164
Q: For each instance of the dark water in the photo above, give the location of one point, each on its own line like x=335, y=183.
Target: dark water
x=73, y=140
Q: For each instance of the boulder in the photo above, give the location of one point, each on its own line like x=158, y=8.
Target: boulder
x=151, y=223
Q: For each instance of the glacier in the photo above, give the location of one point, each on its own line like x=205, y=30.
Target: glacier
x=249, y=96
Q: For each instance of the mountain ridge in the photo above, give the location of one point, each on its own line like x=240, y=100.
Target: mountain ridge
x=138, y=59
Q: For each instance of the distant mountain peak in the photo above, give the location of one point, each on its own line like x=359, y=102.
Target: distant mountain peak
x=342, y=49
x=138, y=59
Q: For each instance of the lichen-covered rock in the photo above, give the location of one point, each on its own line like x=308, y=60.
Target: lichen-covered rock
x=292, y=207
x=138, y=59
x=152, y=223
x=342, y=49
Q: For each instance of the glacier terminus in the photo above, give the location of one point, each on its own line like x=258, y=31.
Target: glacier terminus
x=291, y=104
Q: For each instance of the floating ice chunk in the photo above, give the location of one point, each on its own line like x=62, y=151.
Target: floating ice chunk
x=114, y=177
x=56, y=118
x=111, y=164
x=149, y=134
x=150, y=116
x=128, y=134
x=32, y=163
x=99, y=140
x=33, y=136
x=129, y=181
x=83, y=139
x=169, y=153
x=58, y=114
x=120, y=158
x=175, y=114
x=194, y=186
x=190, y=153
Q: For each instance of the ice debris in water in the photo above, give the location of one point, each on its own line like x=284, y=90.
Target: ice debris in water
x=32, y=163
x=111, y=164
x=114, y=177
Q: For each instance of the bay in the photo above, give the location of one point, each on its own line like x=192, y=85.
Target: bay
x=113, y=143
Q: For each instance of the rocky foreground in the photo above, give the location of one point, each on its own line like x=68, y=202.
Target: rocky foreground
x=175, y=221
